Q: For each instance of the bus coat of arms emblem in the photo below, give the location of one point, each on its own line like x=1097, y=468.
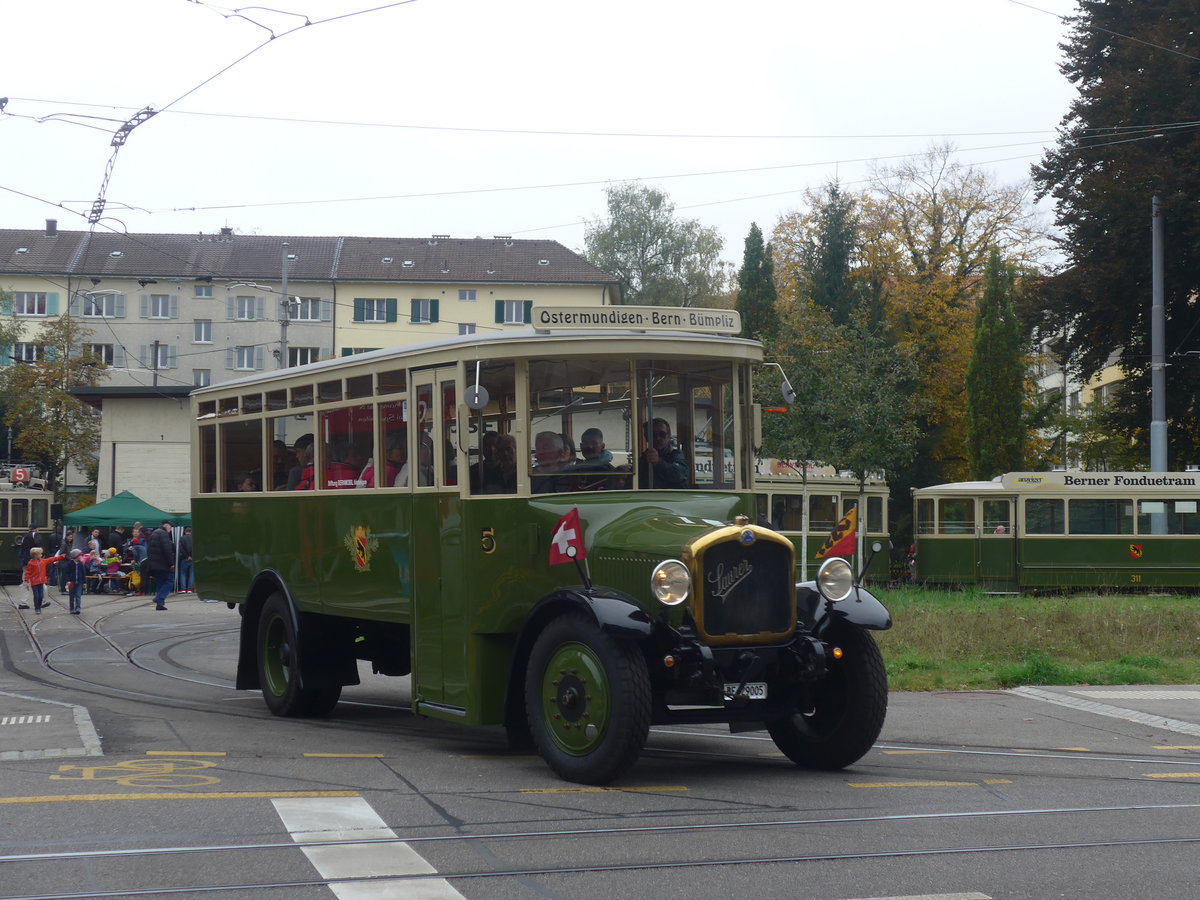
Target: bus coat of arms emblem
x=1136, y=551
x=361, y=545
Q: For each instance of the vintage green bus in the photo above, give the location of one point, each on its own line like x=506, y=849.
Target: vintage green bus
x=401, y=507
x=785, y=496
x=1061, y=530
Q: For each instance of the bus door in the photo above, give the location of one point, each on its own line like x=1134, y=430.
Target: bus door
x=996, y=547
x=439, y=602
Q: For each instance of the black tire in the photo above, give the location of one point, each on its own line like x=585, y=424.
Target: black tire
x=290, y=685
x=849, y=706
x=587, y=696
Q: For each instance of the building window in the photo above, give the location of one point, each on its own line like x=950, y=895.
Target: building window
x=243, y=358
x=466, y=327
x=101, y=305
x=302, y=356
x=159, y=356
x=201, y=377
x=102, y=352
x=29, y=304
x=23, y=352
x=374, y=309
x=513, y=312
x=204, y=290
x=424, y=312
x=246, y=308
x=467, y=296
x=307, y=309
x=160, y=306
x=203, y=331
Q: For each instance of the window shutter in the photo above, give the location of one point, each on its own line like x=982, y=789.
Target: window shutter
x=230, y=362
x=75, y=306
x=414, y=314
x=145, y=306
x=174, y=312
x=360, y=309
x=499, y=312
x=390, y=304
x=261, y=304
x=52, y=304
x=49, y=353
x=143, y=351
x=326, y=309
x=119, y=356
x=119, y=311
x=433, y=310
x=347, y=351
x=6, y=354
x=230, y=310
x=528, y=311
x=173, y=356
x=260, y=357
x=324, y=352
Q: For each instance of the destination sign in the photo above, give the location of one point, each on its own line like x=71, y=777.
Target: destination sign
x=1027, y=480
x=637, y=318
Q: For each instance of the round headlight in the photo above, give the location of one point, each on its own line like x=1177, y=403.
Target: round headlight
x=670, y=582
x=835, y=579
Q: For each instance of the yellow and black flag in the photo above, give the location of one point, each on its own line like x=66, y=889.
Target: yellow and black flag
x=841, y=541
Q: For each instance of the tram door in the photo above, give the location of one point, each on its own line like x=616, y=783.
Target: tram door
x=439, y=601
x=996, y=548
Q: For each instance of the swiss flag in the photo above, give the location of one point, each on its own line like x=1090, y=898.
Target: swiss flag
x=566, y=545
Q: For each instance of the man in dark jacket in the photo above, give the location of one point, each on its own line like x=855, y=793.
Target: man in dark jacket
x=31, y=540
x=161, y=562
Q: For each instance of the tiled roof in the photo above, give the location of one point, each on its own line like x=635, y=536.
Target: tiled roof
x=259, y=257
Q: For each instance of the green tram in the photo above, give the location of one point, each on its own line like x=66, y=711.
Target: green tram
x=831, y=495
x=25, y=502
x=1061, y=530
x=433, y=485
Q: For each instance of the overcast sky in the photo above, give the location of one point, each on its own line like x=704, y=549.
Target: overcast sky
x=483, y=117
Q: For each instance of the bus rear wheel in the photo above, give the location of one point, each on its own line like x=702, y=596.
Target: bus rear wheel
x=587, y=696
x=290, y=685
x=848, y=708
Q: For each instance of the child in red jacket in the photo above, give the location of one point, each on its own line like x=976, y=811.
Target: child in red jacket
x=36, y=577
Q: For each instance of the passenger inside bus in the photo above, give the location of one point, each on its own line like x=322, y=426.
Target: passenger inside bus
x=548, y=474
x=496, y=470
x=663, y=463
x=343, y=466
x=300, y=478
x=397, y=456
x=595, y=471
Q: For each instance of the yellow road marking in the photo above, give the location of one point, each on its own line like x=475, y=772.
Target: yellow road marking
x=1173, y=774
x=996, y=781
x=185, y=753
x=603, y=790
x=214, y=795
x=343, y=755
x=1177, y=747
x=1073, y=749
x=900, y=784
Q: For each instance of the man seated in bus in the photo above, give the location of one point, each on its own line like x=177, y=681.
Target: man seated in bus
x=300, y=478
x=549, y=473
x=504, y=476
x=592, y=472
x=663, y=463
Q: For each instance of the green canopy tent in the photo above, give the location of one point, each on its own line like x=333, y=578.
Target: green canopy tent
x=124, y=509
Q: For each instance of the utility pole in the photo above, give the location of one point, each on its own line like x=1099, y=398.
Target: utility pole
x=285, y=318
x=1158, y=360
x=154, y=363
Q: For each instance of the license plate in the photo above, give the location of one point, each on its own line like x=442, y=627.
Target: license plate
x=753, y=690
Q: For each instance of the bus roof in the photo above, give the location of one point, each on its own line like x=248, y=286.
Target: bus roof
x=527, y=343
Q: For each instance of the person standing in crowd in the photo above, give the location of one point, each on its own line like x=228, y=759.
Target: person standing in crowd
x=64, y=548
x=32, y=539
x=75, y=575
x=35, y=575
x=185, y=563
x=161, y=561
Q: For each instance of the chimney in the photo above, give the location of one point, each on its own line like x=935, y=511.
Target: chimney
x=51, y=227
x=226, y=232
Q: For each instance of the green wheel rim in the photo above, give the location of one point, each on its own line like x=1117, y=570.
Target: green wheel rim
x=576, y=702
x=276, y=656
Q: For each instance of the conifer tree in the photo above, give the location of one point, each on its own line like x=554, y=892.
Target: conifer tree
x=756, y=288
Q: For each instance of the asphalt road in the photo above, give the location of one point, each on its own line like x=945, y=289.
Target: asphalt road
x=130, y=767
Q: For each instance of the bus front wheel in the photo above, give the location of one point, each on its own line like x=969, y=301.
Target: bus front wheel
x=288, y=689
x=587, y=696
x=848, y=708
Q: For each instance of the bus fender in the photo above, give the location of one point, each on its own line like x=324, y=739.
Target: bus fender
x=265, y=583
x=861, y=609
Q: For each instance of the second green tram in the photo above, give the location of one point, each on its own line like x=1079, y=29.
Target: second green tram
x=532, y=526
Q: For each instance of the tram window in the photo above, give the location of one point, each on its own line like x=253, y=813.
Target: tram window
x=20, y=513
x=1168, y=517
x=283, y=463
x=875, y=515
x=358, y=387
x=424, y=435
x=787, y=512
x=276, y=400
x=1044, y=516
x=393, y=438
x=348, y=436
x=329, y=391
x=241, y=454
x=449, y=434
x=40, y=514
x=995, y=517
x=956, y=515
x=1100, y=516
x=3, y=513
x=393, y=382
x=302, y=396
x=208, y=459
x=492, y=448
x=251, y=403
x=822, y=512
x=925, y=523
